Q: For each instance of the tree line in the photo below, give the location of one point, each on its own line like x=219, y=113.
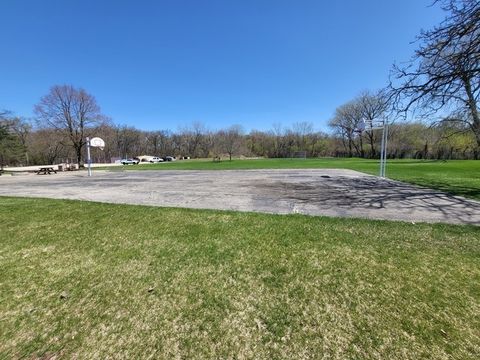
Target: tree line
x=438, y=91
x=28, y=145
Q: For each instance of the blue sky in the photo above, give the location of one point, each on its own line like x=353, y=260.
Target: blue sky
x=165, y=64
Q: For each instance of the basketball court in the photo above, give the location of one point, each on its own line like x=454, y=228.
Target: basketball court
x=329, y=192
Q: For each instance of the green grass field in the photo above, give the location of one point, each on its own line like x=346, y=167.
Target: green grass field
x=88, y=280
x=459, y=177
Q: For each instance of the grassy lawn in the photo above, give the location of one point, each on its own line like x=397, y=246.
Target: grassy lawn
x=90, y=280
x=459, y=177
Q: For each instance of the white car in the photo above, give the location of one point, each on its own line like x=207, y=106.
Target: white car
x=129, y=161
x=155, y=159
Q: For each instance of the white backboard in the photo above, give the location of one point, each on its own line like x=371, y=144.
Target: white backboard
x=97, y=142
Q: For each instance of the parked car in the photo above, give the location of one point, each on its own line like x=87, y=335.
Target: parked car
x=169, y=158
x=129, y=161
x=149, y=159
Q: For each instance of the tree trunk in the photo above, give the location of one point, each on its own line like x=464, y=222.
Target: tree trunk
x=372, y=145
x=472, y=105
x=78, y=151
x=425, y=150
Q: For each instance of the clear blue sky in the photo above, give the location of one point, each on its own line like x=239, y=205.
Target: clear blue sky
x=164, y=64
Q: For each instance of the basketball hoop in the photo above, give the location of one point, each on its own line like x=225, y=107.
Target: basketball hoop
x=97, y=142
x=379, y=124
x=94, y=142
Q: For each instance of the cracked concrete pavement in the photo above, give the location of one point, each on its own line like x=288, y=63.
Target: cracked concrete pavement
x=328, y=192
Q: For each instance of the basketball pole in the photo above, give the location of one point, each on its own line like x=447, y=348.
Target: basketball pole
x=385, y=127
x=89, y=160
x=383, y=149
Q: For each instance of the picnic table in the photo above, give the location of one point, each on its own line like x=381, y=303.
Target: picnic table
x=46, y=170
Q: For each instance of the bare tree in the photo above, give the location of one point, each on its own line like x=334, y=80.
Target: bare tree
x=346, y=123
x=444, y=73
x=192, y=137
x=372, y=106
x=302, y=130
x=128, y=141
x=208, y=143
x=72, y=111
x=22, y=129
x=155, y=141
x=231, y=140
x=260, y=143
x=46, y=147
x=167, y=144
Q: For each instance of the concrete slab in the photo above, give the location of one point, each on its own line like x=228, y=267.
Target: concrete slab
x=327, y=192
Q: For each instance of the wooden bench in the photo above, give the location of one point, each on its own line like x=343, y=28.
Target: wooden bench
x=46, y=170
